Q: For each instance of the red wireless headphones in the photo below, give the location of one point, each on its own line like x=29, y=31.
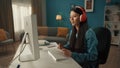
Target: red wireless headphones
x=83, y=17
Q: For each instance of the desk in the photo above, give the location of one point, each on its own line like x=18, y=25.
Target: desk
x=45, y=61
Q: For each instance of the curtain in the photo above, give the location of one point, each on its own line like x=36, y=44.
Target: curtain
x=6, y=16
x=20, y=11
x=37, y=9
x=22, y=8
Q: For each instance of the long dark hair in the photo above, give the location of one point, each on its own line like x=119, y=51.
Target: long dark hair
x=77, y=44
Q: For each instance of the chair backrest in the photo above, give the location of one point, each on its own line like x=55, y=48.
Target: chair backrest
x=104, y=39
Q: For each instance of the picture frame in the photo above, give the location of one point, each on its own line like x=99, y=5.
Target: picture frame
x=89, y=4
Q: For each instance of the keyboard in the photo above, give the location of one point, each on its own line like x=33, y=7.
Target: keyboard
x=56, y=54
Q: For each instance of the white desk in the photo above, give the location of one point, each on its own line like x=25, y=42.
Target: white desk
x=45, y=61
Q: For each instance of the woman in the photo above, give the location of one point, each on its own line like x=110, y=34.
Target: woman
x=82, y=44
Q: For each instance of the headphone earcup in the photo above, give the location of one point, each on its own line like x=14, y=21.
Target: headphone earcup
x=83, y=17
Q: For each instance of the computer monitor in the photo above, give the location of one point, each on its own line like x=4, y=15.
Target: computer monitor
x=30, y=40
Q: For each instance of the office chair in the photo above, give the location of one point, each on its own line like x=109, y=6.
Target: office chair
x=7, y=41
x=104, y=39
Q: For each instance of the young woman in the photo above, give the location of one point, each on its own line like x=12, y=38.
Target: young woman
x=82, y=44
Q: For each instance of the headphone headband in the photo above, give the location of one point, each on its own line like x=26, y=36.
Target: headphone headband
x=83, y=17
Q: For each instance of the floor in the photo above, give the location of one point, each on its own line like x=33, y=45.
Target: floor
x=113, y=60
x=7, y=55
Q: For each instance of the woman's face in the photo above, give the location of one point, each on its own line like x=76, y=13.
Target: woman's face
x=74, y=18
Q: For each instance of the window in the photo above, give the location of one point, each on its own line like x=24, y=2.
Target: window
x=19, y=12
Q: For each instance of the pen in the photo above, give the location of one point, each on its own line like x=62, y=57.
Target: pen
x=18, y=66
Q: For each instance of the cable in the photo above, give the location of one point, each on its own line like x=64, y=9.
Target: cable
x=23, y=45
x=19, y=53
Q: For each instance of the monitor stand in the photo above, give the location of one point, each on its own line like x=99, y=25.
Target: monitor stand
x=26, y=54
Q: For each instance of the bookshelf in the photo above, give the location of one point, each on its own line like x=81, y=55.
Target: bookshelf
x=112, y=22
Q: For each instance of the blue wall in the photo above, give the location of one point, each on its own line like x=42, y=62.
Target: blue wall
x=114, y=2
x=54, y=7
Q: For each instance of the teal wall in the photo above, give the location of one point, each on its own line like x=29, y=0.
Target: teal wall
x=54, y=7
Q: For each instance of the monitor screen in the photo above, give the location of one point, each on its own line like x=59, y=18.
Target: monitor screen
x=31, y=39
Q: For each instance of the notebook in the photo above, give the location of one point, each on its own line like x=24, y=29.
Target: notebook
x=56, y=54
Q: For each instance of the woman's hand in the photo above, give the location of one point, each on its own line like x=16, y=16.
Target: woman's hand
x=67, y=52
x=60, y=46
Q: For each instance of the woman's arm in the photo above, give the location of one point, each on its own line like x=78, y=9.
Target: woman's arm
x=67, y=45
x=91, y=53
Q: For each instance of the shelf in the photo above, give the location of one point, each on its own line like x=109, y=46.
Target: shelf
x=112, y=22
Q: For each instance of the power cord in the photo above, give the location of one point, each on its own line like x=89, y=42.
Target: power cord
x=21, y=51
